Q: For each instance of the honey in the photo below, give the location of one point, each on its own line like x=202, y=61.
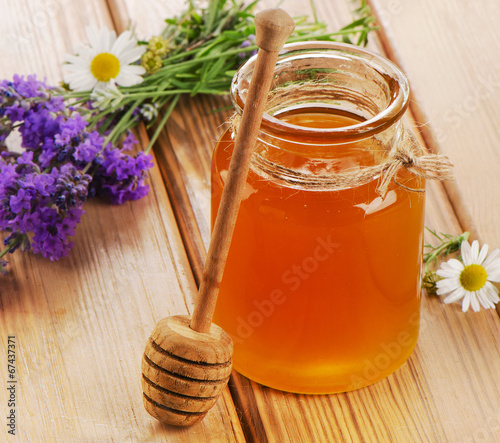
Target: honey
x=321, y=290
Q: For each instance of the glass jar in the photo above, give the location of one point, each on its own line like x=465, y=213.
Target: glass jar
x=321, y=290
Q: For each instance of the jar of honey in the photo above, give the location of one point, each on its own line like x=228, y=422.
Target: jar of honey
x=321, y=290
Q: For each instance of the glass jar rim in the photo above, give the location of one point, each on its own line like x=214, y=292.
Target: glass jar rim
x=399, y=90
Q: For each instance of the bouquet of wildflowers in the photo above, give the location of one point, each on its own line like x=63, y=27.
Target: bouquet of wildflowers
x=43, y=187
x=76, y=139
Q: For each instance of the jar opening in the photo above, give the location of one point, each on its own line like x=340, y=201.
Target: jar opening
x=337, y=76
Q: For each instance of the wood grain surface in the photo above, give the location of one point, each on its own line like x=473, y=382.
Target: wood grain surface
x=451, y=54
x=81, y=323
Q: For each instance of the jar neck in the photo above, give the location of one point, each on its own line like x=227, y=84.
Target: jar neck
x=320, y=165
x=344, y=78
x=316, y=85
x=320, y=132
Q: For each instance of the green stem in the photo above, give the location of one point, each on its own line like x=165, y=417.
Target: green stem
x=313, y=8
x=446, y=247
x=192, y=61
x=118, y=129
x=139, y=95
x=6, y=249
x=162, y=122
x=12, y=244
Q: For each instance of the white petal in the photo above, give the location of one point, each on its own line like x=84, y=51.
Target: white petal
x=466, y=302
x=492, y=268
x=128, y=79
x=482, y=254
x=492, y=292
x=453, y=264
x=495, y=277
x=465, y=251
x=474, y=251
x=447, y=285
x=493, y=273
x=79, y=65
x=82, y=53
x=107, y=39
x=448, y=273
x=103, y=40
x=131, y=55
x=123, y=43
x=133, y=70
x=492, y=258
x=80, y=82
x=123, y=39
x=455, y=295
x=78, y=77
x=93, y=36
x=474, y=302
x=486, y=303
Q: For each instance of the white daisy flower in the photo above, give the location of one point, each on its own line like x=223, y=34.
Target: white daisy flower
x=471, y=280
x=106, y=63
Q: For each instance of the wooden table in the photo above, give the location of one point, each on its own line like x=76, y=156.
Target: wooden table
x=81, y=324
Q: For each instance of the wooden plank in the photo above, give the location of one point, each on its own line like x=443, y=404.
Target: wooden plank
x=408, y=405
x=456, y=113
x=451, y=54
x=81, y=324
x=448, y=390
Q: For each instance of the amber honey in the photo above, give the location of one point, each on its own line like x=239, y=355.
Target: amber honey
x=321, y=288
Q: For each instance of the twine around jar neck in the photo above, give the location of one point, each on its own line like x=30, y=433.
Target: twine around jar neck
x=407, y=153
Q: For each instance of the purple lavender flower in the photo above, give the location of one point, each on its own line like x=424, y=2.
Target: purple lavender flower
x=43, y=189
x=49, y=206
x=21, y=201
x=121, y=177
x=89, y=148
x=15, y=241
x=250, y=41
x=3, y=264
x=71, y=187
x=52, y=234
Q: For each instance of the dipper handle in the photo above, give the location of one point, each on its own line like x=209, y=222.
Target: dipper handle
x=273, y=27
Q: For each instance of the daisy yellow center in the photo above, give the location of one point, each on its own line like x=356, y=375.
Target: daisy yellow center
x=105, y=66
x=473, y=277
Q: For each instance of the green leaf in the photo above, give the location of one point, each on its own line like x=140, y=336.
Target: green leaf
x=204, y=44
x=232, y=35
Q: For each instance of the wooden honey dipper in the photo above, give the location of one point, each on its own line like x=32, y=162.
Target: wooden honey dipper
x=187, y=362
